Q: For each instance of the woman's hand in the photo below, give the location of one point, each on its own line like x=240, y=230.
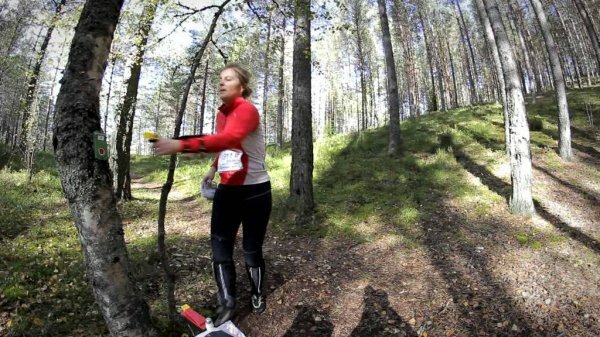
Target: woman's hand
x=209, y=176
x=167, y=146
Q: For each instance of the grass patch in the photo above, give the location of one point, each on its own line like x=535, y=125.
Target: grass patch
x=43, y=272
x=536, y=123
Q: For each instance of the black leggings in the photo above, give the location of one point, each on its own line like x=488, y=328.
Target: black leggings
x=249, y=205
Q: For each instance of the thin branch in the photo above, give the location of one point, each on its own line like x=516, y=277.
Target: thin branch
x=193, y=11
x=260, y=17
x=279, y=7
x=171, y=32
x=223, y=55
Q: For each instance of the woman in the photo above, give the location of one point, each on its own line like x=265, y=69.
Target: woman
x=244, y=192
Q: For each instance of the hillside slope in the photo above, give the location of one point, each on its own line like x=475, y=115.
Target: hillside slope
x=417, y=245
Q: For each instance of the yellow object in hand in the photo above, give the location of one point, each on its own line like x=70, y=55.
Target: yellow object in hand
x=151, y=136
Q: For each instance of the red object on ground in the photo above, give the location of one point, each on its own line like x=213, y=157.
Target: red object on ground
x=193, y=316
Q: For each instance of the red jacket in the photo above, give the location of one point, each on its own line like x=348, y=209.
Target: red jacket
x=240, y=141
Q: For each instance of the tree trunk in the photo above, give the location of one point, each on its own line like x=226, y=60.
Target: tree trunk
x=157, y=111
x=408, y=90
x=570, y=41
x=584, y=56
x=87, y=182
x=126, y=110
x=266, y=81
x=564, y=124
x=357, y=12
x=474, y=75
x=51, y=104
x=455, y=95
x=428, y=48
x=110, y=81
x=7, y=119
x=439, y=60
x=519, y=26
x=301, y=183
x=203, y=103
x=392, y=85
x=280, y=87
x=521, y=201
x=491, y=39
x=33, y=80
x=589, y=27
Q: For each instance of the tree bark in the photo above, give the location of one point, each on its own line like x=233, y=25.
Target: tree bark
x=392, y=85
x=203, y=102
x=301, y=180
x=589, y=27
x=564, y=124
x=491, y=39
x=33, y=80
x=51, y=104
x=473, y=72
x=126, y=110
x=521, y=201
x=519, y=26
x=407, y=84
x=585, y=58
x=570, y=41
x=357, y=12
x=87, y=182
x=452, y=71
x=266, y=78
x=113, y=61
x=428, y=47
x=280, y=87
x=440, y=62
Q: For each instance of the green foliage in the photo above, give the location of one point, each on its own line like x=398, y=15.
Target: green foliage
x=42, y=270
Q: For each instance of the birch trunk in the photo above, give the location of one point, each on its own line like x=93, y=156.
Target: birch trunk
x=87, y=182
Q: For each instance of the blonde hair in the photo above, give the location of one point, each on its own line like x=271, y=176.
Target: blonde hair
x=244, y=77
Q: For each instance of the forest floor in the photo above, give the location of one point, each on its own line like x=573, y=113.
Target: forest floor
x=465, y=267
x=470, y=277
x=417, y=245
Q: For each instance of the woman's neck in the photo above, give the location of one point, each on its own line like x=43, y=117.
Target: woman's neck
x=230, y=100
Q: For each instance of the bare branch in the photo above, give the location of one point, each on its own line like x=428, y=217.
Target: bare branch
x=159, y=40
x=192, y=11
x=223, y=55
x=260, y=17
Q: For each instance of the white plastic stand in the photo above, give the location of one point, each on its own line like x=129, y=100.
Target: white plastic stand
x=227, y=327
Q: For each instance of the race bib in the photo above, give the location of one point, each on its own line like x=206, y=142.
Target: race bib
x=230, y=160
